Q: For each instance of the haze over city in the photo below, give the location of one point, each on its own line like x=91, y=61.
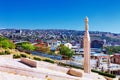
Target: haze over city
x=104, y=15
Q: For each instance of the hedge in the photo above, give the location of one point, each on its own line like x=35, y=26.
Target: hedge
x=37, y=58
x=2, y=53
x=5, y=53
x=16, y=56
x=23, y=55
x=104, y=74
x=63, y=64
x=48, y=60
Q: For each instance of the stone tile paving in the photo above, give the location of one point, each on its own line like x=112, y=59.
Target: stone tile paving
x=9, y=76
x=14, y=66
x=54, y=71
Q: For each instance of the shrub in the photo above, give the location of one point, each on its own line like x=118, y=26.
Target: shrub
x=7, y=52
x=16, y=56
x=37, y=58
x=23, y=55
x=48, y=60
x=2, y=53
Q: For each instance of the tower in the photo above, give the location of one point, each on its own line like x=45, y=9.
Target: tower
x=86, y=48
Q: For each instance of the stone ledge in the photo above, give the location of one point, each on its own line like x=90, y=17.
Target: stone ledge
x=29, y=62
x=74, y=72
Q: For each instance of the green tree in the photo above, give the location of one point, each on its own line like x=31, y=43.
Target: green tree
x=112, y=49
x=28, y=46
x=65, y=51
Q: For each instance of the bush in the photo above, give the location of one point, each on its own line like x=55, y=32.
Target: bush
x=23, y=55
x=7, y=52
x=48, y=60
x=16, y=56
x=104, y=74
x=37, y=58
x=2, y=53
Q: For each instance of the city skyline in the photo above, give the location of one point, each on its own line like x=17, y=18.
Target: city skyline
x=103, y=15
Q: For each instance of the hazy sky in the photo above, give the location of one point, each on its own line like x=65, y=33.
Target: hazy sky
x=104, y=15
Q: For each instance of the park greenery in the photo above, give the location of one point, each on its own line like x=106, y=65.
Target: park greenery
x=65, y=51
x=112, y=49
x=6, y=43
x=26, y=46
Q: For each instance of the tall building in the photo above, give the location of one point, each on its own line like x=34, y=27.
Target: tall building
x=87, y=68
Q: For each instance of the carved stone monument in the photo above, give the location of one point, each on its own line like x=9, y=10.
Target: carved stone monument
x=87, y=68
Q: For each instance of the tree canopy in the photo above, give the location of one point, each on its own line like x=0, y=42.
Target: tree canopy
x=65, y=51
x=112, y=49
x=26, y=46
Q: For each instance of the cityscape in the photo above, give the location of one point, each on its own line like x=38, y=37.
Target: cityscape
x=46, y=40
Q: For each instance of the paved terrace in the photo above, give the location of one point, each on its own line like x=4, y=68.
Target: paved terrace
x=9, y=76
x=55, y=72
x=15, y=67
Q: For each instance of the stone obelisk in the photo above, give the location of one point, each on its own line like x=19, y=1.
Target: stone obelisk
x=87, y=68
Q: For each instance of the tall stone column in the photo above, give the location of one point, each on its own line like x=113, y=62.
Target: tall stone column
x=87, y=68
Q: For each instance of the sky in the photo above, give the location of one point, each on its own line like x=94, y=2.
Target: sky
x=104, y=15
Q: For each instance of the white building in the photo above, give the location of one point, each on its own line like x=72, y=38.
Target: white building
x=68, y=45
x=54, y=43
